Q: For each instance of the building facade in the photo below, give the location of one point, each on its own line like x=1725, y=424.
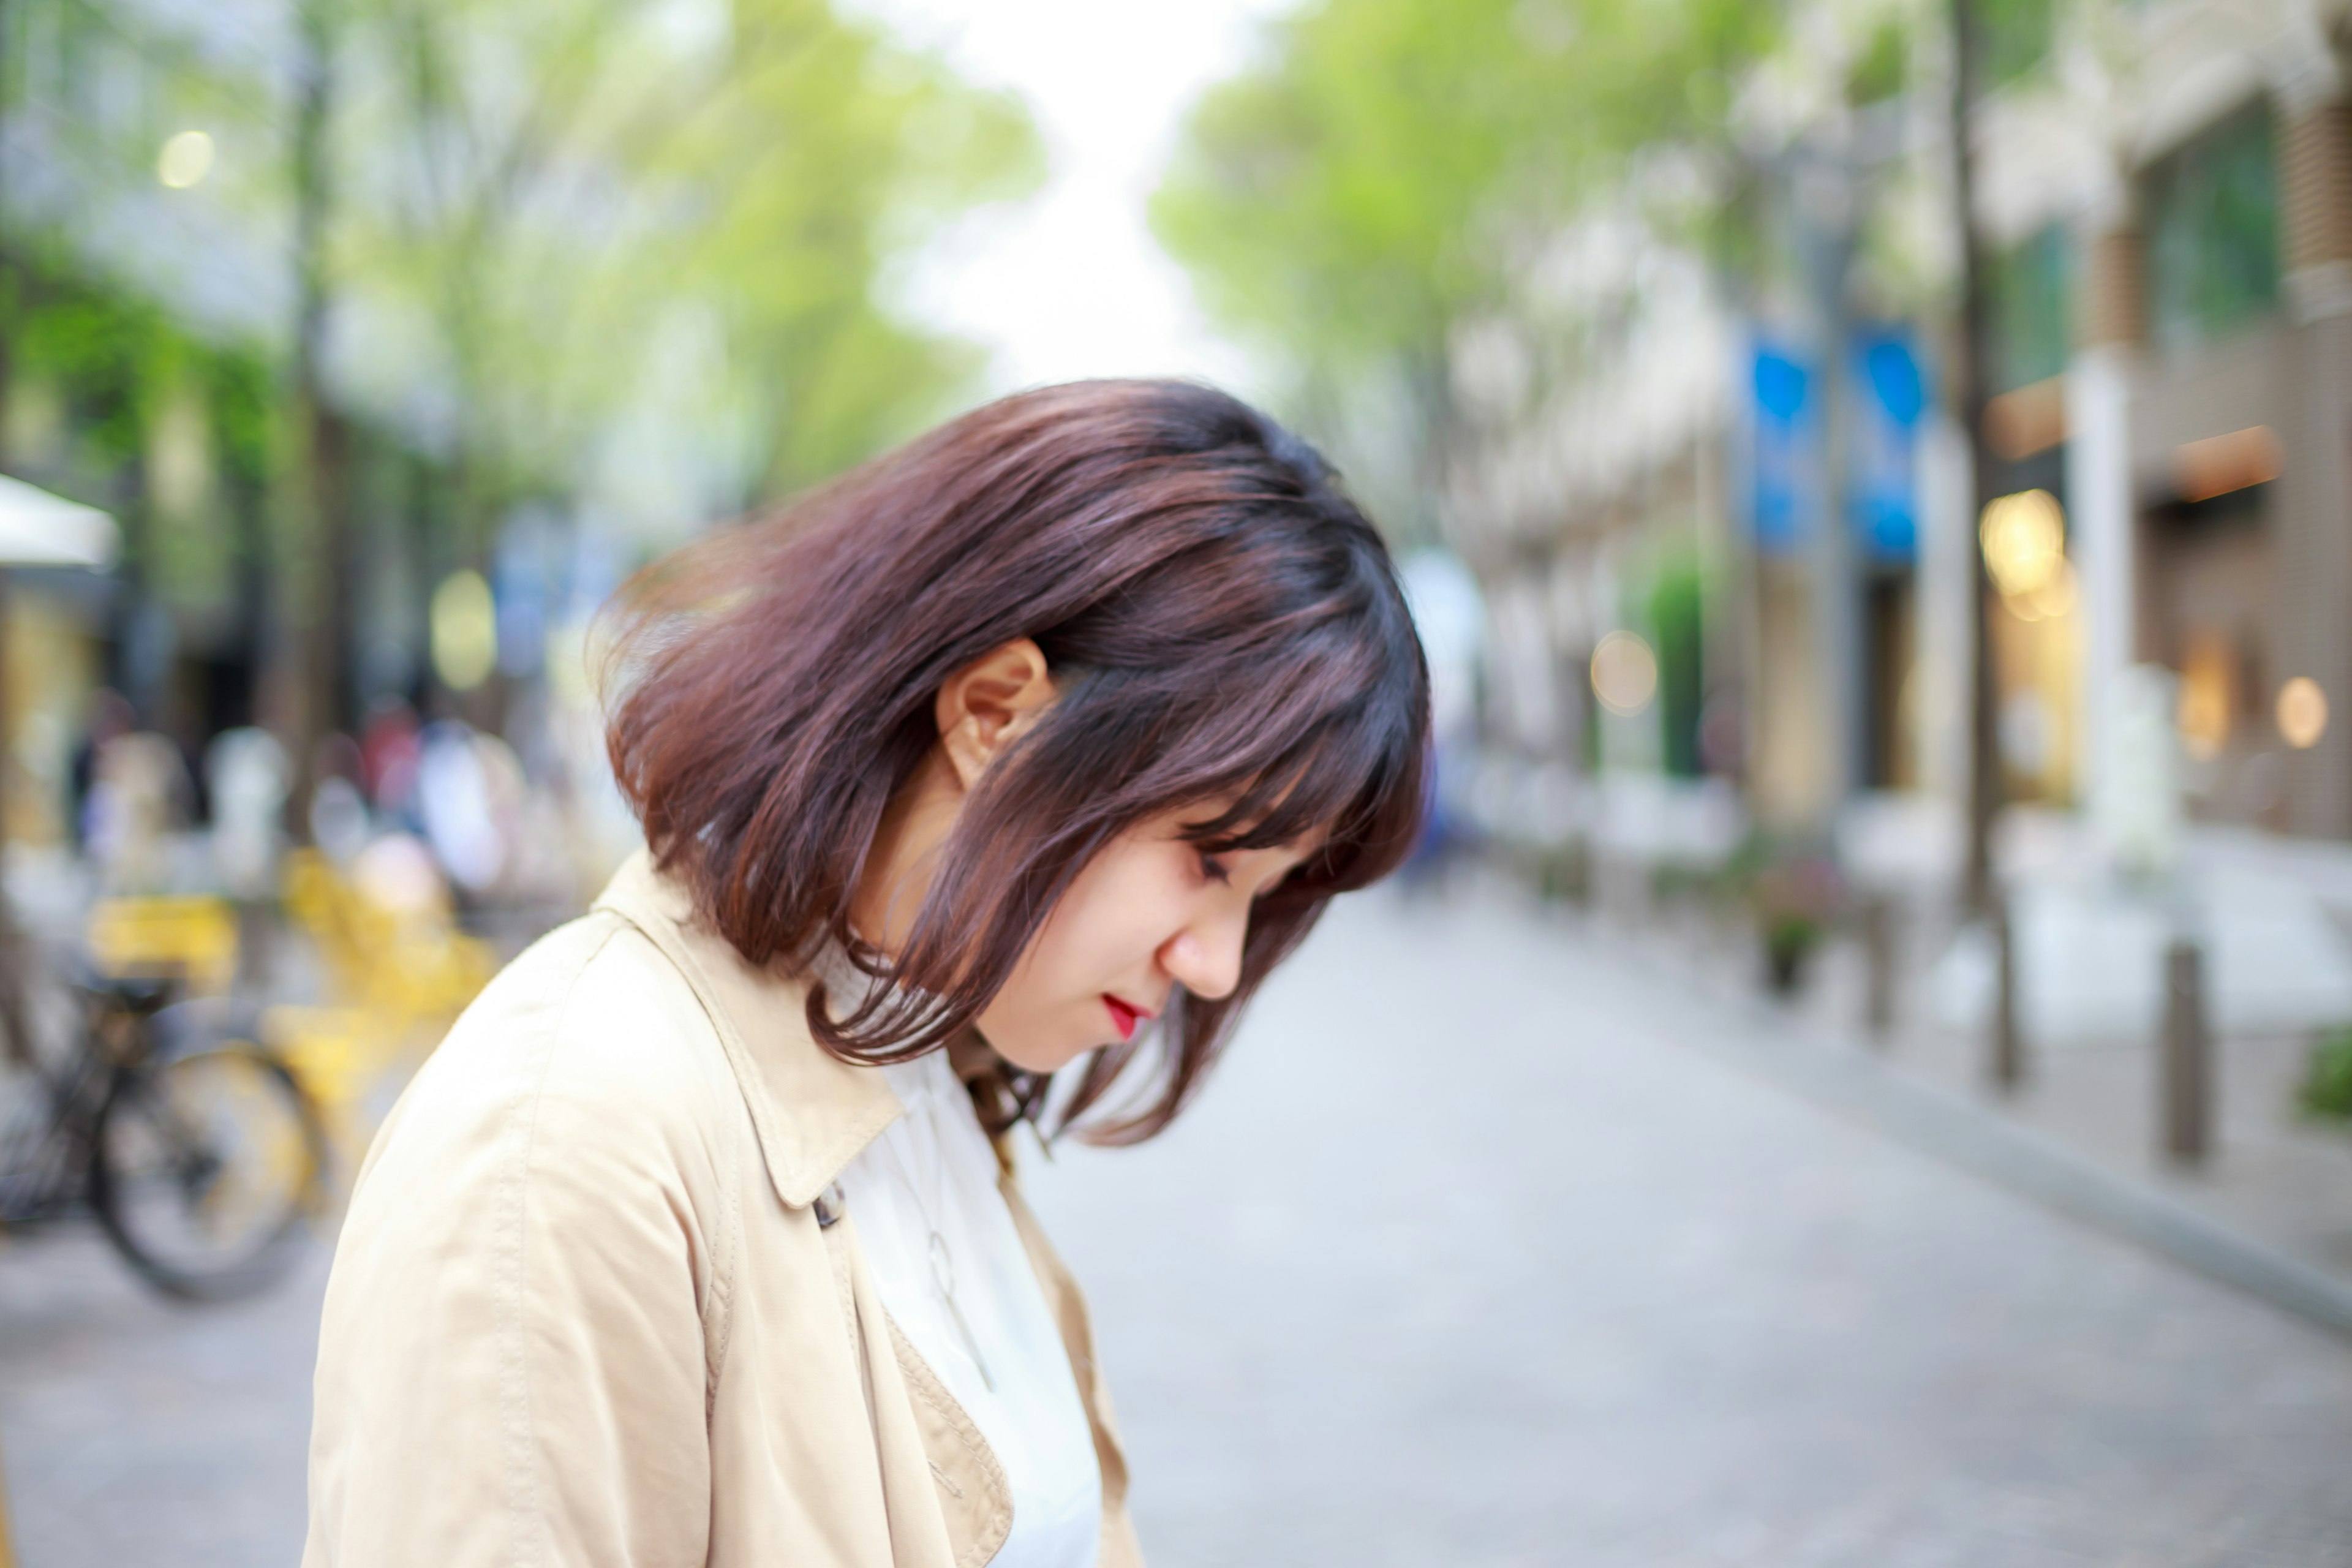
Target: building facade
x=2164, y=192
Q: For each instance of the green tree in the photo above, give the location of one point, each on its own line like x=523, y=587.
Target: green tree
x=1388, y=171
x=589, y=175
x=830, y=151
x=471, y=234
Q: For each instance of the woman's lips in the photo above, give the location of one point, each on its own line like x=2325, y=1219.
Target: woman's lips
x=1122, y=1017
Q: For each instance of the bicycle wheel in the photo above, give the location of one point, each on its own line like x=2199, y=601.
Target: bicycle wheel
x=204, y=1164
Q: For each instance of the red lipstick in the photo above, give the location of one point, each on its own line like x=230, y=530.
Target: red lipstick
x=1124, y=1017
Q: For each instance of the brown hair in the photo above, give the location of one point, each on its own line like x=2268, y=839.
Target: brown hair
x=1222, y=624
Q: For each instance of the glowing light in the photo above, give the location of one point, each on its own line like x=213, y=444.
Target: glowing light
x=186, y=160
x=2302, y=712
x=464, y=631
x=2024, y=540
x=2208, y=675
x=2055, y=600
x=1624, y=674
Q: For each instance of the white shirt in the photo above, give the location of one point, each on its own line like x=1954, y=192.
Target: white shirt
x=931, y=1173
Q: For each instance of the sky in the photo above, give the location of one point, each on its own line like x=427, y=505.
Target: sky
x=1070, y=283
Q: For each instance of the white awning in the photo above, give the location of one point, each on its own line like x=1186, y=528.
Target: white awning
x=37, y=528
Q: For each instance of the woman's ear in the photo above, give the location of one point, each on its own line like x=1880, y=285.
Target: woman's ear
x=989, y=703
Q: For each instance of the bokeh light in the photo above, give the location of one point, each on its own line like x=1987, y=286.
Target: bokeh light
x=2024, y=538
x=2055, y=599
x=1624, y=674
x=2302, y=712
x=186, y=160
x=464, y=631
x=2208, y=675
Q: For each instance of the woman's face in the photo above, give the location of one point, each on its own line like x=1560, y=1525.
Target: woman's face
x=1150, y=912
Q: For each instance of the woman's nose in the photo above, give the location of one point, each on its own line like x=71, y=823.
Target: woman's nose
x=1205, y=958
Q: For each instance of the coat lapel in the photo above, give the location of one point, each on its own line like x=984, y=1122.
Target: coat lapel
x=813, y=1111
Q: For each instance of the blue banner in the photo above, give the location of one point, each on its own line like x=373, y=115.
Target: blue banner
x=1786, y=456
x=1890, y=395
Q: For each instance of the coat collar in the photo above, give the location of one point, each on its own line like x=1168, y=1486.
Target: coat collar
x=813, y=1111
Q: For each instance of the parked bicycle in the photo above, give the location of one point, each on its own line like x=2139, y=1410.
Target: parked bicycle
x=189, y=1140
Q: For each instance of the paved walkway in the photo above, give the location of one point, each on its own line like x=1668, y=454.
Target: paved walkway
x=135, y=1434
x=1469, y=1257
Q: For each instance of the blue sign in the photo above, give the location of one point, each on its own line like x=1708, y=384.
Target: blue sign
x=1786, y=456
x=1890, y=394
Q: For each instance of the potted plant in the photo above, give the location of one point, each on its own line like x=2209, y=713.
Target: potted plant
x=2327, y=1092
x=1793, y=892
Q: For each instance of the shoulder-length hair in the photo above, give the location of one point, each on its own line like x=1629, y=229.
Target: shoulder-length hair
x=1224, y=629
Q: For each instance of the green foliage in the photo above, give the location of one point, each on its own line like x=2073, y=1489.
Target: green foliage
x=117, y=362
x=2328, y=1087
x=2212, y=225
x=240, y=392
x=831, y=149
x=1389, y=169
x=1884, y=67
x=2014, y=37
x=2032, y=307
x=620, y=198
x=1677, y=616
x=96, y=348
x=537, y=209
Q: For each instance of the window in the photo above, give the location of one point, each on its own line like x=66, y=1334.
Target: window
x=2212, y=231
x=2029, y=295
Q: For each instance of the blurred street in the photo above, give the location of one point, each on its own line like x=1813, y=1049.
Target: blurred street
x=1480, y=1250
x=1871, y=483
x=1470, y=1258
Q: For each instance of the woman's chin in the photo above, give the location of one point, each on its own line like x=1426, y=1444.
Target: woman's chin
x=1038, y=1052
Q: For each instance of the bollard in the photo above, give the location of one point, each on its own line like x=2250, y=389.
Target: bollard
x=2008, y=1047
x=2186, y=1072
x=15, y=1018
x=1878, y=966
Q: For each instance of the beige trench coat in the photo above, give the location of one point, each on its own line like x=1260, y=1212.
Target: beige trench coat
x=583, y=1311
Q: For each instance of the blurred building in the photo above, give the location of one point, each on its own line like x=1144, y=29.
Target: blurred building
x=1751, y=469
x=2192, y=166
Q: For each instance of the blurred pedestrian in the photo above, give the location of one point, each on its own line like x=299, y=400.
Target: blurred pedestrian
x=249, y=774
x=111, y=714
x=340, y=824
x=139, y=802
x=1028, y=750
x=391, y=751
x=454, y=807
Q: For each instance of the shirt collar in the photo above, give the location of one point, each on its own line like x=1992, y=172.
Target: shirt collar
x=813, y=1112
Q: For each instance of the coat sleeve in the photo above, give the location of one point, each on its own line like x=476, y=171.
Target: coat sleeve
x=513, y=1364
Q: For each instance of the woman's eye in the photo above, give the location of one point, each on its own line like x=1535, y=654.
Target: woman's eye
x=1214, y=869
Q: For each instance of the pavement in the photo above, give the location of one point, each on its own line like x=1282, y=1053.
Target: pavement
x=1486, y=1245
x=135, y=1433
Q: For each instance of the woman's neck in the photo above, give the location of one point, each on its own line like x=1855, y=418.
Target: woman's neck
x=915, y=827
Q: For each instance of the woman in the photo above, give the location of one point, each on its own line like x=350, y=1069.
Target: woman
x=1036, y=743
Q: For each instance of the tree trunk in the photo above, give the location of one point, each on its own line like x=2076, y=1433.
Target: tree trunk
x=1969, y=392
x=315, y=597
x=18, y=1046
